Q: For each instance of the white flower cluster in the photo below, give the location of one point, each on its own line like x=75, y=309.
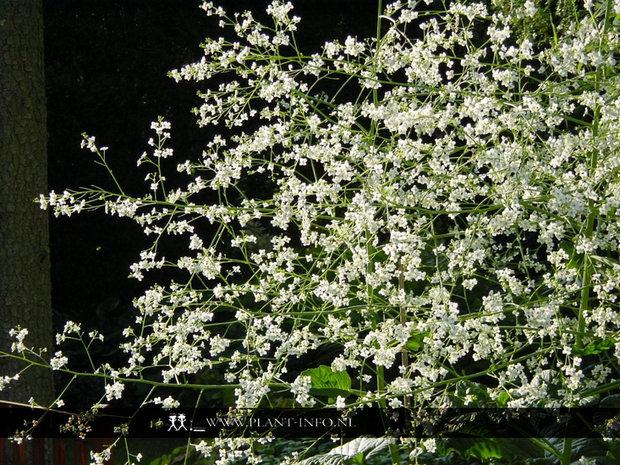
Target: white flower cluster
x=5, y=380
x=98, y=458
x=114, y=390
x=19, y=334
x=167, y=403
x=58, y=361
x=300, y=388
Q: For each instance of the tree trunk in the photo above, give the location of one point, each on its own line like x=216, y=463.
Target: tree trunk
x=25, y=290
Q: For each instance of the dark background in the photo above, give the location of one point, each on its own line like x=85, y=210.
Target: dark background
x=106, y=74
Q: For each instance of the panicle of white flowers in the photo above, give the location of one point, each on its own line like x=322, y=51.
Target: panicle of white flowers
x=461, y=204
x=473, y=181
x=62, y=205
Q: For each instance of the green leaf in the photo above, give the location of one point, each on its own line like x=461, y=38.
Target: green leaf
x=328, y=383
x=575, y=259
x=505, y=449
x=415, y=342
x=607, y=261
x=502, y=399
x=355, y=449
x=612, y=401
x=595, y=347
x=597, y=450
x=163, y=460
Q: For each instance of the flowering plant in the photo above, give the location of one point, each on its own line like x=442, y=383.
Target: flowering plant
x=438, y=208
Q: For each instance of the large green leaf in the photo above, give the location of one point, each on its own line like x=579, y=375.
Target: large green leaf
x=361, y=447
x=598, y=450
x=328, y=383
x=508, y=450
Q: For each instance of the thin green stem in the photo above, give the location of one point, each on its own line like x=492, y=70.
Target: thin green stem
x=205, y=387
x=566, y=451
x=588, y=267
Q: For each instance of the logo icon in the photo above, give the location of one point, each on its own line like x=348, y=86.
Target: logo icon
x=173, y=422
